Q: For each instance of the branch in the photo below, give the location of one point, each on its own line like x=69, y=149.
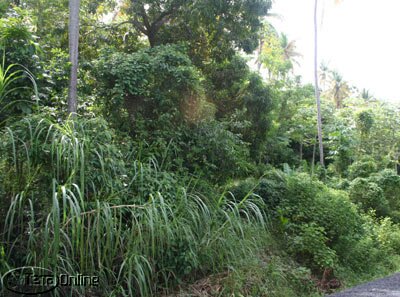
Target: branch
x=145, y=26
x=140, y=26
x=143, y=14
x=163, y=18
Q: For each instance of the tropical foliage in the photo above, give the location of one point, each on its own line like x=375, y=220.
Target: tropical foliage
x=184, y=172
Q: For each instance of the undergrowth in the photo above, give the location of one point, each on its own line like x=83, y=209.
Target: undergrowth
x=75, y=206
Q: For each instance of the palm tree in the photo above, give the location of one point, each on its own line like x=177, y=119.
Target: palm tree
x=323, y=75
x=339, y=89
x=73, y=54
x=366, y=95
x=289, y=50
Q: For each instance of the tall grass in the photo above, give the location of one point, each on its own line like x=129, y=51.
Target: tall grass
x=77, y=209
x=9, y=76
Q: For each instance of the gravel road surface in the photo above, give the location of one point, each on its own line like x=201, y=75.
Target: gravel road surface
x=385, y=287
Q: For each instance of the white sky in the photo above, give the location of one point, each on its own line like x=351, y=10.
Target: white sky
x=359, y=38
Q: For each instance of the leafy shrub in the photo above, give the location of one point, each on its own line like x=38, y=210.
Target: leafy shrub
x=310, y=213
x=307, y=201
x=369, y=196
x=226, y=80
x=362, y=168
x=309, y=244
x=151, y=179
x=17, y=38
x=241, y=188
x=365, y=121
x=19, y=52
x=388, y=235
x=389, y=182
x=379, y=243
x=243, y=97
x=270, y=187
x=207, y=149
x=258, y=104
x=215, y=152
x=365, y=248
x=339, y=209
x=151, y=83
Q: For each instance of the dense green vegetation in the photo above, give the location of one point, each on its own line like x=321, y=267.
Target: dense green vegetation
x=184, y=172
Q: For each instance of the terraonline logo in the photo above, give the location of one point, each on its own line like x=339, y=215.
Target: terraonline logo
x=31, y=280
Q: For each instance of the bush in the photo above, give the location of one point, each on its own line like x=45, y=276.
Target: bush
x=379, y=244
x=307, y=201
x=363, y=168
x=369, y=196
x=214, y=152
x=365, y=121
x=365, y=248
x=21, y=51
x=310, y=214
x=309, y=243
x=270, y=187
x=149, y=83
x=241, y=188
x=207, y=149
x=389, y=182
x=388, y=235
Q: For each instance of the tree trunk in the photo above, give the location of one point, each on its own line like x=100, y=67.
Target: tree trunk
x=301, y=151
x=313, y=158
x=73, y=55
x=152, y=39
x=259, y=63
x=317, y=92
